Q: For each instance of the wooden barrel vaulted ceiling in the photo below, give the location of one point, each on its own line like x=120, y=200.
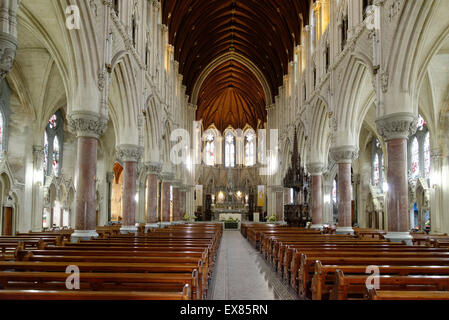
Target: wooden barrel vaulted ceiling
x=264, y=32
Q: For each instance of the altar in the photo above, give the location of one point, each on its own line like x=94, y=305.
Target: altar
x=226, y=216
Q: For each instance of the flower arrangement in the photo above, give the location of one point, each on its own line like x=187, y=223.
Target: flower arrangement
x=272, y=218
x=232, y=223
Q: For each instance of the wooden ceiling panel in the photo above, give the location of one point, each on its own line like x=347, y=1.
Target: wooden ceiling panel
x=263, y=31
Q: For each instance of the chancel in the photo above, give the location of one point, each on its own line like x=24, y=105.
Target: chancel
x=158, y=145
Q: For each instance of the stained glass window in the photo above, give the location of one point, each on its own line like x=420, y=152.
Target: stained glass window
x=52, y=123
x=421, y=123
x=334, y=191
x=376, y=171
x=427, y=155
x=45, y=163
x=415, y=159
x=53, y=138
x=229, y=150
x=55, y=162
x=210, y=150
x=250, y=158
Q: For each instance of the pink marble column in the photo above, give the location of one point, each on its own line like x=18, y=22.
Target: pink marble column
x=397, y=197
x=129, y=193
x=344, y=195
x=344, y=155
x=89, y=126
x=176, y=209
x=182, y=203
x=317, y=200
x=279, y=205
x=316, y=170
x=395, y=129
x=152, y=181
x=86, y=166
x=165, y=201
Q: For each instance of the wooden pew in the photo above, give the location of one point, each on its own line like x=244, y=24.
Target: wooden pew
x=407, y=295
x=109, y=267
x=156, y=282
x=420, y=239
x=354, y=286
x=93, y=295
x=324, y=278
x=305, y=272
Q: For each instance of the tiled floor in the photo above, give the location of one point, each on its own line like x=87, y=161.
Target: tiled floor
x=241, y=273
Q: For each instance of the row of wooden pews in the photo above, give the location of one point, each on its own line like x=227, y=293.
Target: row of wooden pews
x=328, y=266
x=173, y=263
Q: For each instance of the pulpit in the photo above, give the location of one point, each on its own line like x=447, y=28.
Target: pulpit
x=297, y=214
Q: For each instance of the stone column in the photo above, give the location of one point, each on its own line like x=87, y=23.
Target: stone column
x=176, y=209
x=38, y=178
x=89, y=126
x=395, y=129
x=279, y=204
x=316, y=171
x=153, y=180
x=165, y=201
x=129, y=155
x=344, y=155
x=8, y=35
x=182, y=202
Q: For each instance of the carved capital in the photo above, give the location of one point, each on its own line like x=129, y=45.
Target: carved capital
x=87, y=124
x=129, y=152
x=316, y=168
x=397, y=126
x=8, y=49
x=344, y=154
x=153, y=167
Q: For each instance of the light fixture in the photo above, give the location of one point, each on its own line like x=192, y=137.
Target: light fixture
x=137, y=197
x=327, y=198
x=385, y=187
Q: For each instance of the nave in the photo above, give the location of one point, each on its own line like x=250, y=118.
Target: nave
x=241, y=273
x=203, y=261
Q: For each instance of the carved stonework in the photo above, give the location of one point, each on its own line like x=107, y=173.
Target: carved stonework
x=87, y=124
x=129, y=153
x=384, y=78
x=344, y=154
x=8, y=49
x=153, y=167
x=38, y=152
x=397, y=126
x=316, y=168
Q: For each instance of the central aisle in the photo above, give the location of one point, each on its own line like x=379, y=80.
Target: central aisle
x=241, y=273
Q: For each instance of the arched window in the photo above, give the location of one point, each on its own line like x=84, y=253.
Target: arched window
x=419, y=151
x=427, y=155
x=55, y=162
x=250, y=146
x=229, y=150
x=334, y=191
x=53, y=139
x=377, y=161
x=415, y=158
x=376, y=169
x=210, y=150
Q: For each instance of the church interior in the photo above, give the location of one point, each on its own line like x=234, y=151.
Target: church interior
x=153, y=145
